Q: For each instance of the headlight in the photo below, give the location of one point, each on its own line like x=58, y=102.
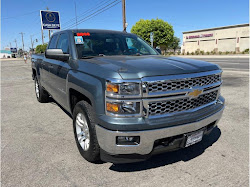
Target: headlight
x=123, y=108
x=123, y=98
x=116, y=89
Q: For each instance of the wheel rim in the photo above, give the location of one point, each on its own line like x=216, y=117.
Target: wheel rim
x=37, y=89
x=82, y=131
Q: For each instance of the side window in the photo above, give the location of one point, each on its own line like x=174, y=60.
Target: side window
x=136, y=46
x=52, y=44
x=63, y=43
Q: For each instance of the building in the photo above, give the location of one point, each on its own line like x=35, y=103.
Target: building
x=227, y=38
x=5, y=54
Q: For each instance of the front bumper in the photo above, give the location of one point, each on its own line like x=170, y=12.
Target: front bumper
x=107, y=138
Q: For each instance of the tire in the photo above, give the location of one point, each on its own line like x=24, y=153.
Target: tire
x=41, y=94
x=85, y=133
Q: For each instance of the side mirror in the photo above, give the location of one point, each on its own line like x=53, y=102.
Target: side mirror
x=56, y=54
x=158, y=50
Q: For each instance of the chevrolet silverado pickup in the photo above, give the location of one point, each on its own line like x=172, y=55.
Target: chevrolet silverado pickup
x=126, y=100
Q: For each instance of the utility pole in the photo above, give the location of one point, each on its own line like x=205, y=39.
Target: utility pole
x=42, y=29
x=124, y=15
x=15, y=42
x=31, y=43
x=48, y=30
x=22, y=38
x=76, y=15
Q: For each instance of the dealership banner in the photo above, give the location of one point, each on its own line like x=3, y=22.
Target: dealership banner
x=50, y=20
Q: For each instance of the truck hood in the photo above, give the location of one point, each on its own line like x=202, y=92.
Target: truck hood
x=134, y=67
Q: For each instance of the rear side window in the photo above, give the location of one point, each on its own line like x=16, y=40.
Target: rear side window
x=52, y=44
x=63, y=43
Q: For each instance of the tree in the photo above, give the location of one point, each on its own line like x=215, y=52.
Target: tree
x=163, y=31
x=175, y=43
x=41, y=48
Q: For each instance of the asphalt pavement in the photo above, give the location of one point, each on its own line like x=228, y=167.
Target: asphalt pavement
x=38, y=148
x=227, y=63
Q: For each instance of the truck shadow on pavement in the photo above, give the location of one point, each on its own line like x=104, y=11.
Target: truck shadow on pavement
x=168, y=158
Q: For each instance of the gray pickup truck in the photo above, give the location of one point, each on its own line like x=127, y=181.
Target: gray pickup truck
x=127, y=101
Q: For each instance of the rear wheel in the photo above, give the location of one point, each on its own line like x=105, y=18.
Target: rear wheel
x=84, y=131
x=41, y=94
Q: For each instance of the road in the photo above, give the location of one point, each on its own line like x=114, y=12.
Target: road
x=227, y=63
x=38, y=148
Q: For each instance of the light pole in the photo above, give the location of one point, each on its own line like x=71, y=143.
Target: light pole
x=22, y=39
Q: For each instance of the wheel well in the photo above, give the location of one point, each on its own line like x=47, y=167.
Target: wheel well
x=75, y=97
x=33, y=73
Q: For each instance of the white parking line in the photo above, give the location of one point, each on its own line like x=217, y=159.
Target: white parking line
x=235, y=69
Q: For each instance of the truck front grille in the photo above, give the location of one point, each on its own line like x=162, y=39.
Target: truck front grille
x=178, y=105
x=170, y=85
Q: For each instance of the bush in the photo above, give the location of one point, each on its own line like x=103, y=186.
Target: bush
x=41, y=48
x=227, y=52
x=187, y=53
x=234, y=52
x=246, y=50
x=220, y=52
x=192, y=53
x=178, y=53
x=197, y=52
x=202, y=52
x=212, y=52
x=208, y=53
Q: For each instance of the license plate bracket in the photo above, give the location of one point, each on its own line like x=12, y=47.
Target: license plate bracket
x=194, y=137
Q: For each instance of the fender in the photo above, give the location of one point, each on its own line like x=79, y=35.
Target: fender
x=36, y=66
x=89, y=86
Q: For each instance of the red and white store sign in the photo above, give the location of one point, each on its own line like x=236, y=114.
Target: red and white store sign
x=199, y=36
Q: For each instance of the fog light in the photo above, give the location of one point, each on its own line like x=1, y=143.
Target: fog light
x=128, y=140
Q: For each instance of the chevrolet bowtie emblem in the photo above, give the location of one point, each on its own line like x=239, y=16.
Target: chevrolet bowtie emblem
x=195, y=93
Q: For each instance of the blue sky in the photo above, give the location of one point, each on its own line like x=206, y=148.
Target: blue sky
x=23, y=16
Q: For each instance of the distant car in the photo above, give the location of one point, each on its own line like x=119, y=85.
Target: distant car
x=127, y=101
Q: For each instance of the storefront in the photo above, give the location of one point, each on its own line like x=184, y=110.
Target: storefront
x=233, y=38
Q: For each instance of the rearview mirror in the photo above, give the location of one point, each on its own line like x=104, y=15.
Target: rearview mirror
x=158, y=50
x=56, y=54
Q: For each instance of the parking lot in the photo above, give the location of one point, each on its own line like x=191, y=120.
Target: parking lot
x=38, y=146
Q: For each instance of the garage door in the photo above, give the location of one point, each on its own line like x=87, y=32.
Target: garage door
x=227, y=45
x=244, y=44
x=207, y=46
x=191, y=46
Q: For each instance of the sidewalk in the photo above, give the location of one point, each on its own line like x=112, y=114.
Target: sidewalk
x=10, y=59
x=213, y=56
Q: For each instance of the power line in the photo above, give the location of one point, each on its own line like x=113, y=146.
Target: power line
x=87, y=11
x=99, y=11
x=20, y=15
x=96, y=12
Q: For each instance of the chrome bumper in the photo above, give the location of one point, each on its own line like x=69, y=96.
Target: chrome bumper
x=107, y=138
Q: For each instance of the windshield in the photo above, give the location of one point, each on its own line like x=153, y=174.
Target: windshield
x=103, y=44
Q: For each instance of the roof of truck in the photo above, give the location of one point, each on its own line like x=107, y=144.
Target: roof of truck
x=95, y=31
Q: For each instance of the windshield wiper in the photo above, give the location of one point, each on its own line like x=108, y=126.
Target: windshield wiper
x=136, y=54
x=88, y=57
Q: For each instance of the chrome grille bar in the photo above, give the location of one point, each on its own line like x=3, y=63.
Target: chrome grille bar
x=178, y=105
x=169, y=95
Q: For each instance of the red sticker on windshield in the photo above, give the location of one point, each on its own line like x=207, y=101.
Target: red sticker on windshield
x=83, y=34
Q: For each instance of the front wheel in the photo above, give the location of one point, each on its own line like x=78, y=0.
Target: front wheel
x=84, y=131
